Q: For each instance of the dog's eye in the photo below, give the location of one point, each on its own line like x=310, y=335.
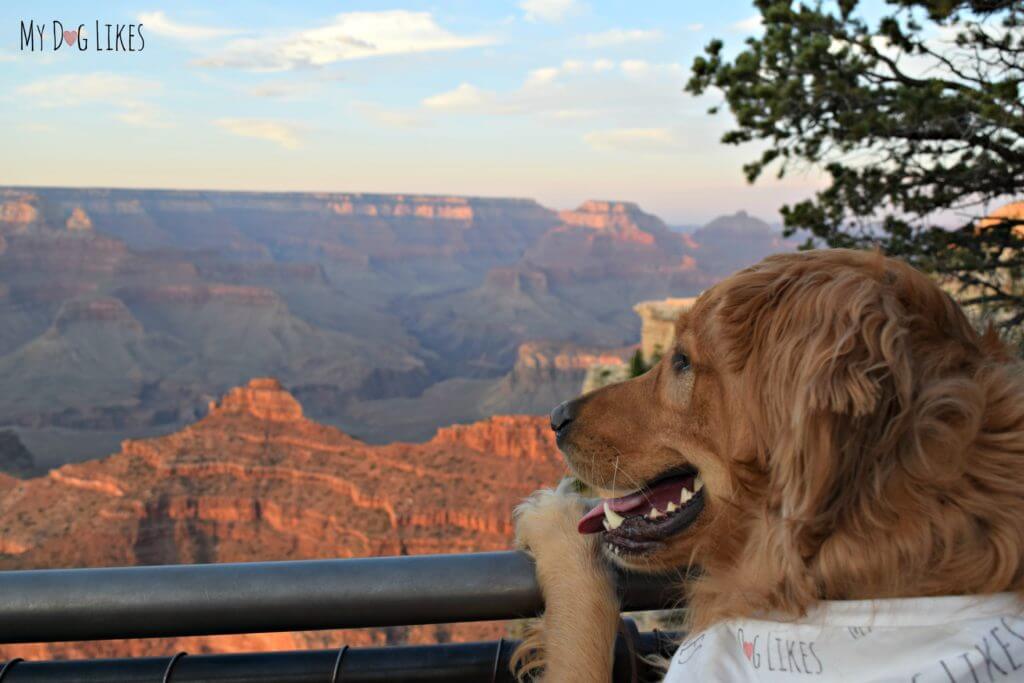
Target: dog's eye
x=680, y=362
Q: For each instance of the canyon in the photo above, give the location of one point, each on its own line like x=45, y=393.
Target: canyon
x=123, y=313
x=406, y=350
x=255, y=479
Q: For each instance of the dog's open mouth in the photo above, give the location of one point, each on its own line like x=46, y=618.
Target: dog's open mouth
x=639, y=523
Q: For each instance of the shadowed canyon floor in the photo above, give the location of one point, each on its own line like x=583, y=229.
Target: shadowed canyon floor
x=256, y=480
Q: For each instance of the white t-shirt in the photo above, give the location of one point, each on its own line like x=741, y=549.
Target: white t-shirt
x=957, y=639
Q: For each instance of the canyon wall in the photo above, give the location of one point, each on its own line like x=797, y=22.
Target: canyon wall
x=257, y=480
x=128, y=310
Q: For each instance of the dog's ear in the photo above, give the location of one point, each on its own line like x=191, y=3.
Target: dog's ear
x=824, y=355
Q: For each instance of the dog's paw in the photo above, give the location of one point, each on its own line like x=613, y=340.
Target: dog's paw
x=527, y=660
x=549, y=517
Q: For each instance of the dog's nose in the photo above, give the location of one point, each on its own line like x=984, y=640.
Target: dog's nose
x=561, y=415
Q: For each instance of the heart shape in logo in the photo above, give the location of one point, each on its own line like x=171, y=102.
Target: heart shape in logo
x=70, y=37
x=748, y=649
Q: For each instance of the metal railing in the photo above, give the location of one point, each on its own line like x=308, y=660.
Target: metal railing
x=55, y=605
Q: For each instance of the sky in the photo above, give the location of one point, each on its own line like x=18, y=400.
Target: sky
x=556, y=100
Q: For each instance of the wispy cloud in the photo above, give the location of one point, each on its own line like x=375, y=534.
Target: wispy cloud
x=70, y=90
x=36, y=127
x=390, y=118
x=751, y=24
x=465, y=97
x=145, y=115
x=159, y=24
x=550, y=10
x=282, y=90
x=694, y=27
x=633, y=140
x=286, y=135
x=620, y=36
x=352, y=35
x=574, y=89
x=127, y=96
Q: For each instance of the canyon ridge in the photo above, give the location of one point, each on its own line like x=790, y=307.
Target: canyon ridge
x=124, y=313
x=257, y=480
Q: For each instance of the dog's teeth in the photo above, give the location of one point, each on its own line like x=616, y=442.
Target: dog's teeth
x=607, y=526
x=654, y=514
x=672, y=507
x=698, y=484
x=613, y=518
x=685, y=496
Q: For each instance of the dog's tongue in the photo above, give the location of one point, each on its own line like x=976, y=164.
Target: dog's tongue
x=592, y=521
x=635, y=503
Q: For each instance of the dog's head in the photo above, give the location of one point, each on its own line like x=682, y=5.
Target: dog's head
x=813, y=433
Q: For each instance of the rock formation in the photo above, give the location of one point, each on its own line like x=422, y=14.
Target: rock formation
x=17, y=208
x=15, y=459
x=1013, y=211
x=602, y=239
x=256, y=480
x=78, y=220
x=736, y=241
x=657, y=324
x=130, y=309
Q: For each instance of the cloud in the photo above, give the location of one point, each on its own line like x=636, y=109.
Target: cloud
x=144, y=115
x=695, y=27
x=282, y=90
x=70, y=90
x=284, y=134
x=751, y=24
x=633, y=140
x=465, y=97
x=158, y=23
x=36, y=127
x=292, y=88
x=351, y=35
x=549, y=10
x=639, y=68
x=568, y=114
x=619, y=36
x=576, y=69
x=542, y=76
x=575, y=89
x=125, y=95
x=390, y=118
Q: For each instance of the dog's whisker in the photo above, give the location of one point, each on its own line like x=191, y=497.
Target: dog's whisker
x=632, y=481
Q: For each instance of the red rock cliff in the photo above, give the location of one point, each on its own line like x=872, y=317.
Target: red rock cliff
x=256, y=480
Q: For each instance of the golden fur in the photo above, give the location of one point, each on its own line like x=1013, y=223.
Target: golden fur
x=857, y=438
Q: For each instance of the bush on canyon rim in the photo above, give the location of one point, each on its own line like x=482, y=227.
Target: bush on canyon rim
x=915, y=117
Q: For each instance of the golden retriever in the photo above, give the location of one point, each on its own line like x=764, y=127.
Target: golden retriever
x=828, y=426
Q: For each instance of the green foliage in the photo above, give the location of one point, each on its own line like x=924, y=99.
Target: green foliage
x=655, y=356
x=637, y=366
x=916, y=119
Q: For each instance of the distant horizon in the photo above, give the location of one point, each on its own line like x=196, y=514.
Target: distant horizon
x=685, y=223
x=557, y=100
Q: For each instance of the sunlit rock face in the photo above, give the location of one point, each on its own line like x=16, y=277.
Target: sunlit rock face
x=256, y=480
x=658, y=324
x=1013, y=211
